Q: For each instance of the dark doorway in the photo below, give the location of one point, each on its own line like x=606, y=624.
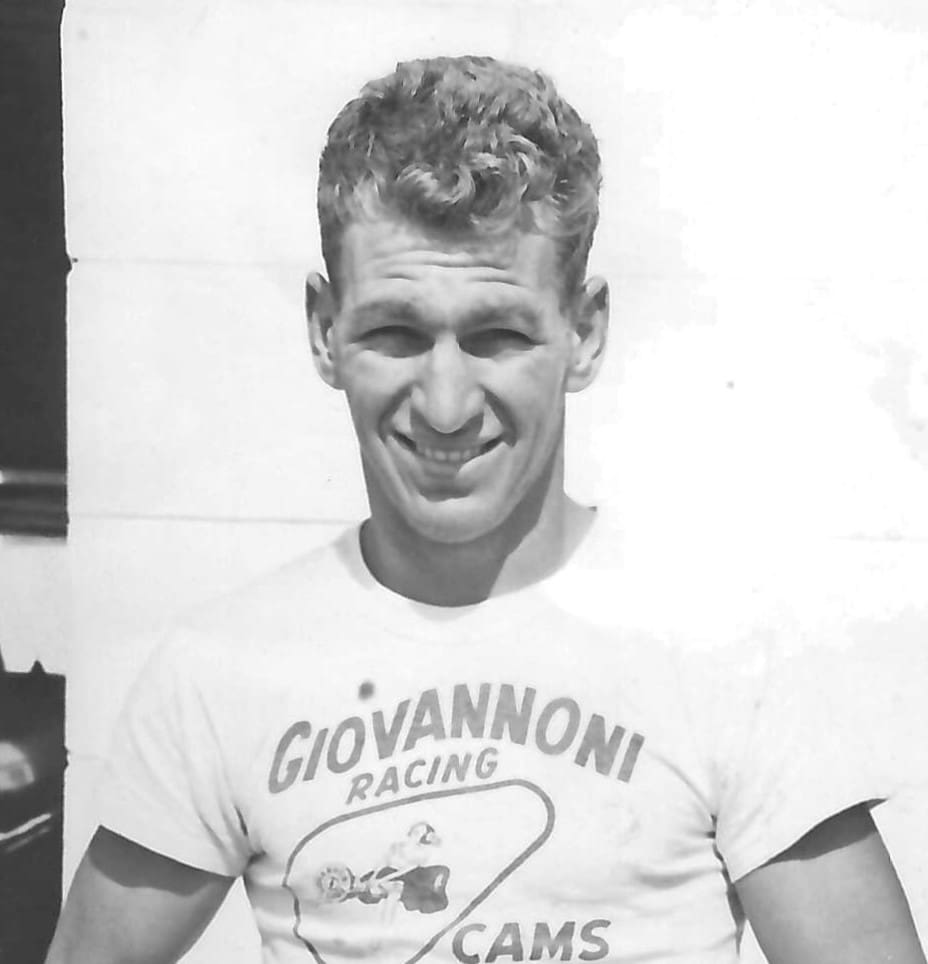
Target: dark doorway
x=33, y=271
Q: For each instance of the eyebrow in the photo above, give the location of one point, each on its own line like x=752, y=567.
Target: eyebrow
x=477, y=318
x=496, y=315
x=394, y=309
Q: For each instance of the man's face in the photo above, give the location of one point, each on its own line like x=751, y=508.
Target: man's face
x=455, y=353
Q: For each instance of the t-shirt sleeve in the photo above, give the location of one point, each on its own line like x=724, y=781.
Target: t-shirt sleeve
x=788, y=751
x=166, y=784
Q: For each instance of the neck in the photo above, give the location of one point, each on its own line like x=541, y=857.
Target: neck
x=532, y=543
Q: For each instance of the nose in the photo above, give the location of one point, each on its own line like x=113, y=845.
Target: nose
x=447, y=395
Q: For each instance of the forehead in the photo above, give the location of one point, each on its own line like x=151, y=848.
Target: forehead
x=394, y=258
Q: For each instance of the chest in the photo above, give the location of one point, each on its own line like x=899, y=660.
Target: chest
x=528, y=786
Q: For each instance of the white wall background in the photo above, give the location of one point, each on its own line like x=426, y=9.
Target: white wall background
x=764, y=228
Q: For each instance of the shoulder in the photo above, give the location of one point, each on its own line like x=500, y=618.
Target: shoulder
x=286, y=608
x=284, y=596
x=691, y=595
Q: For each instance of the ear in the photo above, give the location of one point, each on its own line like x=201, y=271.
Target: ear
x=320, y=318
x=590, y=318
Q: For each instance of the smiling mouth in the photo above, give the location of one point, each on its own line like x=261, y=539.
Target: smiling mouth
x=451, y=455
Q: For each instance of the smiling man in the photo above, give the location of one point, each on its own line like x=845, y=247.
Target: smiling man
x=455, y=351
x=457, y=734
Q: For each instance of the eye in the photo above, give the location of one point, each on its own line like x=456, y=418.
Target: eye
x=489, y=342
x=395, y=341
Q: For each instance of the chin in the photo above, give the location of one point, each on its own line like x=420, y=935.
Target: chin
x=454, y=524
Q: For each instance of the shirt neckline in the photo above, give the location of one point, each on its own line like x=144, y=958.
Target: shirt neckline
x=401, y=616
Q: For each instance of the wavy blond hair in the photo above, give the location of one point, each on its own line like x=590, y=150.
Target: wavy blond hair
x=463, y=143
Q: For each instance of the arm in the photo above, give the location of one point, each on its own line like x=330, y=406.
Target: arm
x=832, y=898
x=129, y=905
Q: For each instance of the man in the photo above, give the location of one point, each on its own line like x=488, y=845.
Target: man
x=449, y=736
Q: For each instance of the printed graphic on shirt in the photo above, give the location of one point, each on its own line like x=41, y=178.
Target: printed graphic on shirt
x=405, y=876
x=395, y=878
x=497, y=712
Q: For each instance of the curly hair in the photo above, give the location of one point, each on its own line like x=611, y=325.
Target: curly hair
x=467, y=143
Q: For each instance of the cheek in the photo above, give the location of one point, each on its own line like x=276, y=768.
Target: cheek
x=372, y=388
x=536, y=389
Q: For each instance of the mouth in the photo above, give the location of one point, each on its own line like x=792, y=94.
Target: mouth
x=446, y=454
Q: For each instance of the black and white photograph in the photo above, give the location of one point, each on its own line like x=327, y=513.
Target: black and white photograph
x=464, y=482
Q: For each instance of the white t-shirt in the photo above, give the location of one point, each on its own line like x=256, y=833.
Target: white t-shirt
x=576, y=771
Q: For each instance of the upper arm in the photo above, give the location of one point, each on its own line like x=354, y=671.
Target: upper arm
x=132, y=906
x=832, y=898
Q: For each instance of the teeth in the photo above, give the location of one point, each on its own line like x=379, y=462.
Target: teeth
x=447, y=455
x=452, y=456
